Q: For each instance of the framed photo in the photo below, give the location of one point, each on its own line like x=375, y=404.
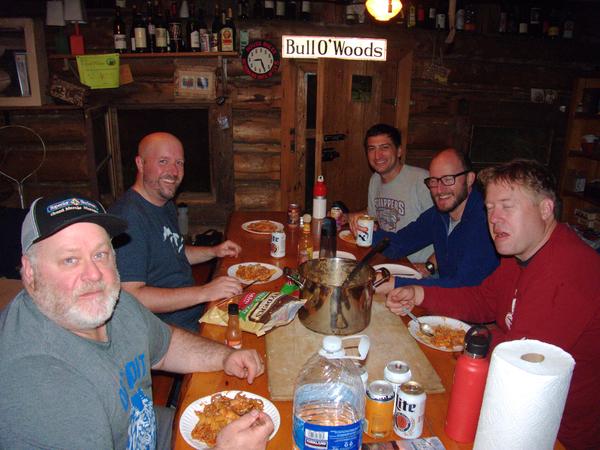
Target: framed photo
x=23, y=59
x=195, y=82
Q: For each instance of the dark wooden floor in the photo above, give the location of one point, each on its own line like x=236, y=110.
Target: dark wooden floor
x=163, y=381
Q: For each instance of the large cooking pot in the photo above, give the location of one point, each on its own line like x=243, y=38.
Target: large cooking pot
x=331, y=308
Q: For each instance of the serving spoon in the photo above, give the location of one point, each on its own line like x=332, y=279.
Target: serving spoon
x=425, y=328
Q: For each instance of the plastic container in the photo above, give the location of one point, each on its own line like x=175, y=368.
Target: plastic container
x=470, y=377
x=329, y=398
x=319, y=198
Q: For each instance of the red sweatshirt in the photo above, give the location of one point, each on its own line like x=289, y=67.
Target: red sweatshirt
x=554, y=298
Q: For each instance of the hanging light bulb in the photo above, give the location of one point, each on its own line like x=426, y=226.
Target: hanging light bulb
x=383, y=10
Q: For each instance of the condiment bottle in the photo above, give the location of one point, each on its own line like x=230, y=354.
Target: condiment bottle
x=233, y=336
x=305, y=243
x=319, y=198
x=470, y=377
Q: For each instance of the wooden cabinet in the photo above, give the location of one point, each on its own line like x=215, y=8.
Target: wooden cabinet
x=581, y=161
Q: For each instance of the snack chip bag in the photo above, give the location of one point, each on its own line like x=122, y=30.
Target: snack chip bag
x=259, y=311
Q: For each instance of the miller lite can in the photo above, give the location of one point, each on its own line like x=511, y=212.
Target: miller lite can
x=278, y=244
x=409, y=410
x=365, y=238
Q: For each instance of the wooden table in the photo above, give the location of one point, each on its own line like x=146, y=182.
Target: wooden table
x=256, y=249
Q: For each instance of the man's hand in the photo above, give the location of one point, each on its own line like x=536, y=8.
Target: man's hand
x=227, y=248
x=403, y=299
x=249, y=432
x=221, y=287
x=353, y=222
x=244, y=364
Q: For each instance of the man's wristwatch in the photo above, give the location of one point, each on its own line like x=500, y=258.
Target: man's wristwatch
x=430, y=267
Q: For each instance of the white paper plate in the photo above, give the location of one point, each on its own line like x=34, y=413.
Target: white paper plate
x=413, y=329
x=233, y=269
x=346, y=235
x=245, y=226
x=398, y=270
x=189, y=419
x=338, y=254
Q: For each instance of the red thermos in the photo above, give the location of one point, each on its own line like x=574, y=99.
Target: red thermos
x=469, y=383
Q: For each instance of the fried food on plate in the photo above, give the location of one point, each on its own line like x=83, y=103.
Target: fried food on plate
x=253, y=272
x=220, y=412
x=262, y=226
x=445, y=337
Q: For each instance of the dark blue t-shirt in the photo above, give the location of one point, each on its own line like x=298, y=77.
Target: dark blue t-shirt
x=153, y=251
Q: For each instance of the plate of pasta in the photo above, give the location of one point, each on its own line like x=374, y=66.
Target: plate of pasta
x=254, y=272
x=262, y=226
x=204, y=418
x=449, y=334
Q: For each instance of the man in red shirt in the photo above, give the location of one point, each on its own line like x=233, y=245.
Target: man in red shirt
x=547, y=287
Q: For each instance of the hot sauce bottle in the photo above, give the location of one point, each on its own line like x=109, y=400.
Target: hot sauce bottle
x=233, y=336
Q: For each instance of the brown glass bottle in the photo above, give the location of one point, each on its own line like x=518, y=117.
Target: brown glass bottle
x=233, y=336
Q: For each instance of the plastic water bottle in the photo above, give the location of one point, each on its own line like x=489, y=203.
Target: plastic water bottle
x=329, y=398
x=470, y=377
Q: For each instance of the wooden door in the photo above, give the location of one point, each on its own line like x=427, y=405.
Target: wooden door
x=351, y=97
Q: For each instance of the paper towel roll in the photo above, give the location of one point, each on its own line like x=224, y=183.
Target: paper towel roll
x=524, y=397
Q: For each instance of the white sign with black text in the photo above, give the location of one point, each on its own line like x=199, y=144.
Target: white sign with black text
x=334, y=47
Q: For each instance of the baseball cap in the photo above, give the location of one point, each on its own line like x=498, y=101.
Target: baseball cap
x=49, y=215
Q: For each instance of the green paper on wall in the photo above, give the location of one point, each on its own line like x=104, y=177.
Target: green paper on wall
x=99, y=71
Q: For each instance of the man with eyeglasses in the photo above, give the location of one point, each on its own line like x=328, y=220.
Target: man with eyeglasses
x=456, y=226
x=546, y=288
x=397, y=195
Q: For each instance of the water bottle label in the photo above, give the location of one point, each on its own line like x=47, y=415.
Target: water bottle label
x=341, y=437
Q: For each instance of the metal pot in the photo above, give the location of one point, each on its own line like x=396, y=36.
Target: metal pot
x=329, y=308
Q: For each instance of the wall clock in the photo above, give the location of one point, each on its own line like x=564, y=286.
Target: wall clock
x=260, y=59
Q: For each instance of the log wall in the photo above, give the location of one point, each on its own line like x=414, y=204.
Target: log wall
x=489, y=83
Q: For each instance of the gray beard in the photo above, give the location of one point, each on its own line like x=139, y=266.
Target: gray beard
x=55, y=305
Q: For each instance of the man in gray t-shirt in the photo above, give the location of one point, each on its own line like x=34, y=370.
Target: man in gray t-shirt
x=76, y=353
x=397, y=195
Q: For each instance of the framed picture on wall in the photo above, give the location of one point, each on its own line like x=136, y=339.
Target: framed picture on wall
x=195, y=82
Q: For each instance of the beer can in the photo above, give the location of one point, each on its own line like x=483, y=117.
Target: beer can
x=379, y=409
x=397, y=373
x=278, y=244
x=409, y=410
x=293, y=215
x=365, y=238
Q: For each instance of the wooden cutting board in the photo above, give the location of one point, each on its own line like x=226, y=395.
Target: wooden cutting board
x=290, y=346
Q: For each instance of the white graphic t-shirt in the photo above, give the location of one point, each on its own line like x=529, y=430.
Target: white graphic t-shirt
x=399, y=202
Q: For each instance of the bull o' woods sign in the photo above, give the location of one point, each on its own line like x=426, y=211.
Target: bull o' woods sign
x=334, y=47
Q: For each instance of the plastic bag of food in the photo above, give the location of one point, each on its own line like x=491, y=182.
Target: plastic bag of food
x=259, y=311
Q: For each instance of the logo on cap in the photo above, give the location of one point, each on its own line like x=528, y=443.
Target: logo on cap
x=72, y=204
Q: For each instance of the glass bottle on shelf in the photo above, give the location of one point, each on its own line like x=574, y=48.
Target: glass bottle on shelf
x=503, y=19
x=291, y=10
x=269, y=9
x=280, y=9
x=568, y=26
x=535, y=21
x=460, y=16
x=227, y=32
x=140, y=33
x=216, y=27
x=243, y=10
x=150, y=27
x=523, y=18
x=119, y=34
x=305, y=10
x=193, y=30
x=203, y=31
x=411, y=15
x=131, y=29
x=420, y=16
x=174, y=30
x=440, y=15
x=431, y=15
x=161, y=31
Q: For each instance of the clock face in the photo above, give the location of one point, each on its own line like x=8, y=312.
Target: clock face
x=260, y=59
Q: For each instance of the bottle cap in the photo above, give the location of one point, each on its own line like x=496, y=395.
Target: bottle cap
x=320, y=190
x=233, y=309
x=477, y=341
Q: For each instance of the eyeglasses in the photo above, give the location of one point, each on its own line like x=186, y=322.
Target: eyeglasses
x=446, y=180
